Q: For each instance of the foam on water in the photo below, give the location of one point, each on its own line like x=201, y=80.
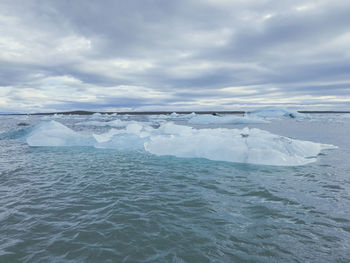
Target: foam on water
x=233, y=145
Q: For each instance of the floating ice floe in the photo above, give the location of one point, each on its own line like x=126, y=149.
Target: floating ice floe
x=212, y=119
x=53, y=133
x=233, y=145
x=61, y=116
x=96, y=115
x=101, y=116
x=272, y=112
x=173, y=115
x=115, y=123
x=182, y=116
x=52, y=117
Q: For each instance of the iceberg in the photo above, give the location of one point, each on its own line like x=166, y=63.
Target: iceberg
x=132, y=138
x=52, y=117
x=246, y=145
x=272, y=112
x=211, y=119
x=253, y=146
x=96, y=115
x=115, y=123
x=53, y=133
x=62, y=117
x=172, y=116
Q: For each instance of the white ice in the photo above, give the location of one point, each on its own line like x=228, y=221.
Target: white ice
x=244, y=146
x=211, y=119
x=172, y=116
x=53, y=133
x=114, y=123
x=233, y=145
x=273, y=112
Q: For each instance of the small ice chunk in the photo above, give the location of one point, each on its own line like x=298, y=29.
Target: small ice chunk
x=123, y=141
x=105, y=137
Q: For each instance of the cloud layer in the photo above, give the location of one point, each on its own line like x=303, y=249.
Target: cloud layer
x=173, y=55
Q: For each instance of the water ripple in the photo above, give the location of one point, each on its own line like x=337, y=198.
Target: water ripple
x=92, y=205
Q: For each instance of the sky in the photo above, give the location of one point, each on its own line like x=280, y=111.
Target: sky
x=116, y=55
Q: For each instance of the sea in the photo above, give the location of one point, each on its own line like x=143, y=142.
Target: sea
x=175, y=188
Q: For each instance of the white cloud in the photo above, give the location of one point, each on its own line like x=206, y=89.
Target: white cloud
x=73, y=44
x=305, y=7
x=217, y=37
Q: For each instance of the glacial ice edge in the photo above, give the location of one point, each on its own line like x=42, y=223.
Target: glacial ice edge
x=254, y=146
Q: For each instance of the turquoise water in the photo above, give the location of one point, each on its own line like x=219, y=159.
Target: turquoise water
x=84, y=204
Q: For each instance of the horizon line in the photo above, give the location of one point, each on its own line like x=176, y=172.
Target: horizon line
x=83, y=112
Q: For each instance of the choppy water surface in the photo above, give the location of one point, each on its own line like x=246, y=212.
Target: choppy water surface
x=62, y=204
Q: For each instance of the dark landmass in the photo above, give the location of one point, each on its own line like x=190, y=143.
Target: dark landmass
x=130, y=112
x=80, y=112
x=23, y=124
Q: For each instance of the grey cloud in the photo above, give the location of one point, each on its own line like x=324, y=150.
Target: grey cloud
x=191, y=50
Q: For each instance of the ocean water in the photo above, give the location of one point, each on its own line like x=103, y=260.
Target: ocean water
x=72, y=199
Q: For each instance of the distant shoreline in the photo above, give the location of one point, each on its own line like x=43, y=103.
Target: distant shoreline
x=155, y=112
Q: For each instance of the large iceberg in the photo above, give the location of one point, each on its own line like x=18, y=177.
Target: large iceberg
x=233, y=145
x=244, y=146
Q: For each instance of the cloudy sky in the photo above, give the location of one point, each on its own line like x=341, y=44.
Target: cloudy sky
x=173, y=55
